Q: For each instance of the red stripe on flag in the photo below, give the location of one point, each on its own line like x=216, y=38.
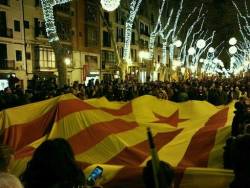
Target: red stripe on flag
x=24, y=152
x=201, y=144
x=94, y=134
x=135, y=155
x=124, y=110
x=20, y=135
x=203, y=141
x=67, y=107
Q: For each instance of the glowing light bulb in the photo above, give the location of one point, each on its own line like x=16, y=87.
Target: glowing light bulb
x=191, y=51
x=211, y=50
x=233, y=50
x=110, y=5
x=232, y=41
x=178, y=43
x=201, y=43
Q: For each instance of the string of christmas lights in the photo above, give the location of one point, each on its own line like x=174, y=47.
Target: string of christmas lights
x=48, y=12
x=134, y=7
x=241, y=60
x=156, y=31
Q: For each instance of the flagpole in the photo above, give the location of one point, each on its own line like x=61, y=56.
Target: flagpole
x=154, y=156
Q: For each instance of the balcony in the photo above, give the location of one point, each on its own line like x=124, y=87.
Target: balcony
x=7, y=64
x=6, y=33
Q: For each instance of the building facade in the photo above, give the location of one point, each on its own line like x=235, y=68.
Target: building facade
x=12, y=52
x=88, y=34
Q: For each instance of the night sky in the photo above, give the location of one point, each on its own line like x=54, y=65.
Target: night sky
x=221, y=17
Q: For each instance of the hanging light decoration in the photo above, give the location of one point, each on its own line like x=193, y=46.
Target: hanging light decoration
x=48, y=12
x=191, y=51
x=211, y=50
x=233, y=50
x=110, y=5
x=232, y=41
x=201, y=43
x=178, y=43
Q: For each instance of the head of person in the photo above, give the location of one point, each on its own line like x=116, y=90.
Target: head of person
x=9, y=181
x=165, y=175
x=52, y=163
x=6, y=156
x=241, y=154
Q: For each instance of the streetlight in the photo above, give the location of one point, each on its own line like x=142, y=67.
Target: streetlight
x=110, y=5
x=67, y=61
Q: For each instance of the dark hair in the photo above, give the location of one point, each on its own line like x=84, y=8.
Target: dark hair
x=5, y=156
x=53, y=163
x=241, y=164
x=165, y=175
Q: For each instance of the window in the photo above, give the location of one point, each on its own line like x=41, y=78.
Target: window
x=65, y=8
x=92, y=39
x=3, y=56
x=44, y=57
x=121, y=51
x=120, y=35
x=106, y=39
x=133, y=38
x=28, y=56
x=106, y=16
x=26, y=24
x=18, y=55
x=133, y=55
x=39, y=28
x=4, y=2
x=3, y=51
x=64, y=30
x=3, y=26
x=146, y=32
x=37, y=3
x=141, y=27
x=107, y=57
x=17, y=25
x=91, y=13
x=120, y=17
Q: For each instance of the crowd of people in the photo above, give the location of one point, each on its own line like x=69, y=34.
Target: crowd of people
x=215, y=90
x=53, y=164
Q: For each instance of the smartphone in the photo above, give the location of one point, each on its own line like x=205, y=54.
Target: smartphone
x=94, y=175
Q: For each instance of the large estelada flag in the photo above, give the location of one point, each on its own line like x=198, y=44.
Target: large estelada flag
x=188, y=135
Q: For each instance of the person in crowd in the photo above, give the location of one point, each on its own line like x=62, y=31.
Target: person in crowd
x=239, y=117
x=240, y=162
x=9, y=181
x=6, y=157
x=236, y=93
x=165, y=175
x=53, y=164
